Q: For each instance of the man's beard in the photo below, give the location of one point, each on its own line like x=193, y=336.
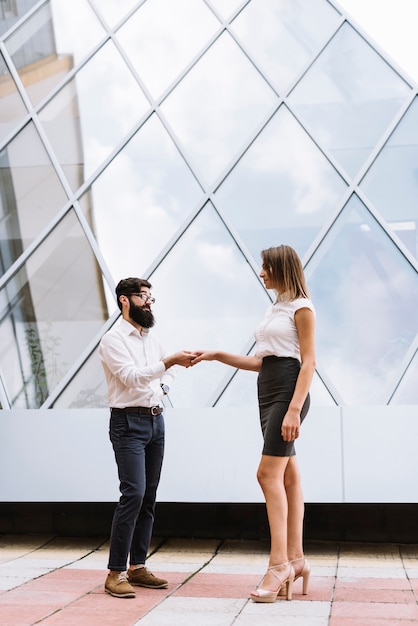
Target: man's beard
x=141, y=316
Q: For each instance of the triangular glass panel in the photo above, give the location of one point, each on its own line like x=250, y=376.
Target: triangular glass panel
x=113, y=12
x=12, y=109
x=283, y=37
x=225, y=8
x=207, y=297
x=217, y=106
x=51, y=308
x=366, y=296
x=30, y=194
x=319, y=394
x=93, y=113
x=282, y=190
x=348, y=98
x=51, y=42
x=391, y=183
x=407, y=391
x=240, y=390
x=87, y=389
x=12, y=12
x=155, y=193
x=163, y=37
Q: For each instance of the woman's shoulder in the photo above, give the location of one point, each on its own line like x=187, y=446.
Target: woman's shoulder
x=301, y=303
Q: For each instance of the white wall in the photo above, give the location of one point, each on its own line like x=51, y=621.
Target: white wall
x=355, y=454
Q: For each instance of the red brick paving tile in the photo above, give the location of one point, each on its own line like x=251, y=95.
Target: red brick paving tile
x=82, y=581
x=320, y=589
x=357, y=594
x=373, y=583
x=65, y=598
x=354, y=621
x=81, y=574
x=77, y=574
x=23, y=615
x=22, y=596
x=103, y=610
x=218, y=586
x=375, y=610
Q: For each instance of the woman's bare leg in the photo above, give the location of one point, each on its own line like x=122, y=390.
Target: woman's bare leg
x=296, y=510
x=270, y=475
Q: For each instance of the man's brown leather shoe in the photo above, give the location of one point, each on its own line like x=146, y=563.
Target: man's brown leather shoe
x=144, y=578
x=117, y=585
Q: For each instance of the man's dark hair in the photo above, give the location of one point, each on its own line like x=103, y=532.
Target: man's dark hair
x=128, y=286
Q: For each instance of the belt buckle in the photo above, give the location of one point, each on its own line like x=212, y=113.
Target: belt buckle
x=155, y=410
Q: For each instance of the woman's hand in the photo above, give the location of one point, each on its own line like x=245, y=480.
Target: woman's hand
x=203, y=355
x=291, y=425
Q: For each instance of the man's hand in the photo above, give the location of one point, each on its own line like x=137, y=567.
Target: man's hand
x=203, y=355
x=183, y=358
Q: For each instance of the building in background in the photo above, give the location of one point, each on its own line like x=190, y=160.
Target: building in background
x=174, y=140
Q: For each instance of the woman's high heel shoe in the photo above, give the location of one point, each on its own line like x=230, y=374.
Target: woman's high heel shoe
x=285, y=583
x=302, y=570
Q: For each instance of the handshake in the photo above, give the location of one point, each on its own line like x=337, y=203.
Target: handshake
x=185, y=358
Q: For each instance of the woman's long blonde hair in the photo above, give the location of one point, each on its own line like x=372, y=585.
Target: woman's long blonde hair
x=285, y=271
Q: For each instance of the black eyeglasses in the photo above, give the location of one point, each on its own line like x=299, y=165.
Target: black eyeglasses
x=144, y=297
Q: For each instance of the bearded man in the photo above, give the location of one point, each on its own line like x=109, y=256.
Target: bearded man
x=138, y=372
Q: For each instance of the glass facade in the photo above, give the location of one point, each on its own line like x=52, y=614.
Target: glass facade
x=176, y=139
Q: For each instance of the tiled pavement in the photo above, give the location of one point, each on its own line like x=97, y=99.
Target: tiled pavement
x=59, y=582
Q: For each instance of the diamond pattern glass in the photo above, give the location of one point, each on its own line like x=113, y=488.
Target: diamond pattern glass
x=391, y=184
x=220, y=309
x=163, y=36
x=113, y=12
x=176, y=140
x=217, y=107
x=226, y=7
x=51, y=42
x=154, y=195
x=30, y=191
x=407, y=392
x=15, y=13
x=88, y=118
x=282, y=190
x=88, y=388
x=348, y=98
x=12, y=109
x=50, y=309
x=283, y=37
x=366, y=295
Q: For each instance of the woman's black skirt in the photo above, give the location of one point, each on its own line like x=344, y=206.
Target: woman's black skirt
x=276, y=384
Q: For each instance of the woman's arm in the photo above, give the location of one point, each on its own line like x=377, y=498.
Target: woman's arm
x=239, y=361
x=305, y=326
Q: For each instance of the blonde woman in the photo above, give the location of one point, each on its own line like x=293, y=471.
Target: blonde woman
x=285, y=360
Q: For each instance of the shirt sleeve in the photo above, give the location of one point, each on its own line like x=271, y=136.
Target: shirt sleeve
x=303, y=303
x=116, y=357
x=170, y=374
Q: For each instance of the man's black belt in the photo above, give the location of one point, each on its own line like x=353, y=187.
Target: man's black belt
x=143, y=410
